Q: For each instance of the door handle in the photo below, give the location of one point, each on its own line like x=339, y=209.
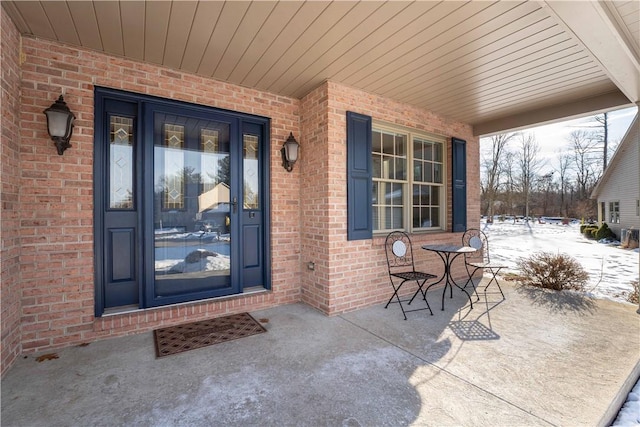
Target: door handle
x=234, y=203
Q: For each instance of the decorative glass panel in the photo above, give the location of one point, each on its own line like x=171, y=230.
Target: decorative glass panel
x=121, y=195
x=174, y=167
x=209, y=145
x=251, y=188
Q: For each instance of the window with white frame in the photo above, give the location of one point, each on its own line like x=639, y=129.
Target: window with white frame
x=614, y=212
x=408, y=180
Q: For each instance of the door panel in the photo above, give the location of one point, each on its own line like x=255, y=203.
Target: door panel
x=121, y=265
x=252, y=208
x=121, y=285
x=180, y=192
x=193, y=242
x=122, y=242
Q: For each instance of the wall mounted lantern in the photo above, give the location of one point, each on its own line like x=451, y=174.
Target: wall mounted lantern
x=60, y=124
x=289, y=152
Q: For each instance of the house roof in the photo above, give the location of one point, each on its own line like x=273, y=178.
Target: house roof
x=630, y=141
x=498, y=65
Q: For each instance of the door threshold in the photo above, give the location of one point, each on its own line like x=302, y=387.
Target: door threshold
x=127, y=309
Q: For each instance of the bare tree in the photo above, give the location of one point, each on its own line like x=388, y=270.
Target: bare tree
x=545, y=185
x=530, y=165
x=585, y=147
x=509, y=169
x=492, y=165
x=603, y=136
x=563, y=168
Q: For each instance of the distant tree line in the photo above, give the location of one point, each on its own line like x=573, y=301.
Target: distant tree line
x=516, y=180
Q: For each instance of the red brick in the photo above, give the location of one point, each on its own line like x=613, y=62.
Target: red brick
x=55, y=221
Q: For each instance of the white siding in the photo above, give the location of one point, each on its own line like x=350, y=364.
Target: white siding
x=621, y=181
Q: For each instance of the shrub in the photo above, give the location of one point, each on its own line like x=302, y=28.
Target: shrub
x=558, y=272
x=589, y=230
x=634, y=295
x=604, y=232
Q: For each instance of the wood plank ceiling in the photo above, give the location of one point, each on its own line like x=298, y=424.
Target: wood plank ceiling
x=496, y=65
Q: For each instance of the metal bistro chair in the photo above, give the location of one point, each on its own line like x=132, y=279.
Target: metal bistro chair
x=480, y=259
x=400, y=262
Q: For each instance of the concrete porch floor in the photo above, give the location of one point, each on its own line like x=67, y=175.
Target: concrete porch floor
x=536, y=358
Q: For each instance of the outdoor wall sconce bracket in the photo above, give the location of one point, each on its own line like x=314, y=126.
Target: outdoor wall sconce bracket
x=60, y=124
x=289, y=151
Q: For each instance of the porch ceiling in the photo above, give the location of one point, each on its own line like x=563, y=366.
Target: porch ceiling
x=496, y=65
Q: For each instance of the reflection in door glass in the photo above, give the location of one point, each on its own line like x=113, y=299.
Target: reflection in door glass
x=191, y=208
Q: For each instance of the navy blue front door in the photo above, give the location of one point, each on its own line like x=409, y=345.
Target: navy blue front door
x=181, y=192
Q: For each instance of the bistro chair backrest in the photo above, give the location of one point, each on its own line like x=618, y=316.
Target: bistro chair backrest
x=477, y=240
x=399, y=252
x=479, y=260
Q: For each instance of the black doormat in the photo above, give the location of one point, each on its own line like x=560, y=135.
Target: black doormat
x=176, y=339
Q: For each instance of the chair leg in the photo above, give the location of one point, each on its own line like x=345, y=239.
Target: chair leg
x=420, y=290
x=399, y=301
x=424, y=294
x=395, y=294
x=470, y=280
x=494, y=279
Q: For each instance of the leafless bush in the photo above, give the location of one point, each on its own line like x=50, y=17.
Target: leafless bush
x=552, y=271
x=634, y=294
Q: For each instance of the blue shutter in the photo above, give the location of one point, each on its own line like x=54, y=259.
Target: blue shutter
x=459, y=179
x=359, y=174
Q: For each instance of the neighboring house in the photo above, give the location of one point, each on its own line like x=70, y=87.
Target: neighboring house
x=387, y=100
x=618, y=191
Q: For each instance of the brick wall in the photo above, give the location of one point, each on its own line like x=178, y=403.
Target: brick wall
x=56, y=210
x=308, y=210
x=315, y=200
x=9, y=192
x=353, y=274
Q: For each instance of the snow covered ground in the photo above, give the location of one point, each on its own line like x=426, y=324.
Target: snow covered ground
x=611, y=269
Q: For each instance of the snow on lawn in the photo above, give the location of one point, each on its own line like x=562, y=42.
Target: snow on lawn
x=611, y=269
x=629, y=415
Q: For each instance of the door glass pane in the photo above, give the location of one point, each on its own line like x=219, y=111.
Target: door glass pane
x=191, y=206
x=251, y=173
x=121, y=194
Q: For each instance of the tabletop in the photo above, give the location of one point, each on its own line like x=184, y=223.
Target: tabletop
x=449, y=248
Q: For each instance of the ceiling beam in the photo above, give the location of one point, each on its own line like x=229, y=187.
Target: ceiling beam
x=592, y=26
x=555, y=113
